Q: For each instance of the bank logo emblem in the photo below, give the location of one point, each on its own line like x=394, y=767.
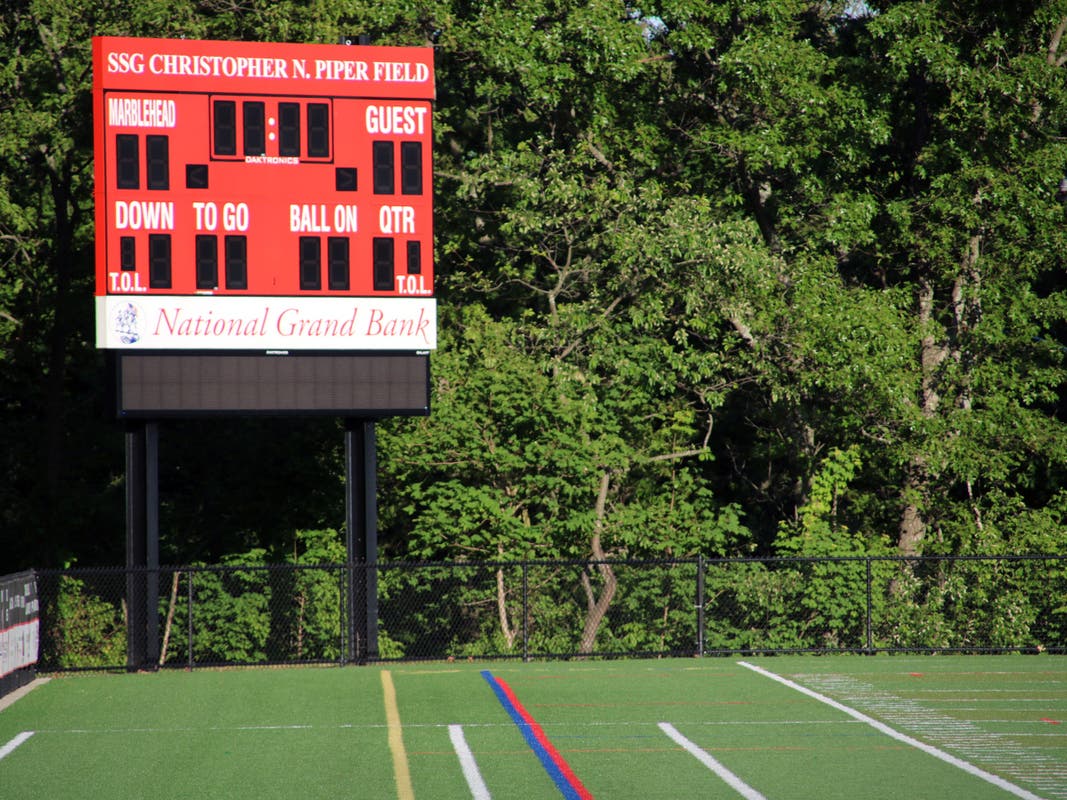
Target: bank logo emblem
x=126, y=323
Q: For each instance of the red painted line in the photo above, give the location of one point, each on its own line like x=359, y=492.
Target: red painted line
x=573, y=787
x=550, y=748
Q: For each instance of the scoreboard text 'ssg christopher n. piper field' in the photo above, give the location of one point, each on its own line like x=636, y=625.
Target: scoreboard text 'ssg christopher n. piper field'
x=255, y=196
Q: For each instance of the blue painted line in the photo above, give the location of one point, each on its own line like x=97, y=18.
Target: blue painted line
x=535, y=738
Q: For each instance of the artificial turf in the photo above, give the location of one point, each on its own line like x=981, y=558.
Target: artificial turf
x=325, y=733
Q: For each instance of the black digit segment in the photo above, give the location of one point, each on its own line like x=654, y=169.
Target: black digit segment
x=383, y=153
x=159, y=260
x=337, y=253
x=157, y=154
x=310, y=263
x=384, y=261
x=236, y=262
x=411, y=167
x=318, y=130
x=414, y=257
x=127, y=161
x=255, y=129
x=224, y=127
x=207, y=261
x=128, y=253
x=289, y=129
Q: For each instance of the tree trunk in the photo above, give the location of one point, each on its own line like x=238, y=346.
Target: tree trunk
x=170, y=616
x=501, y=603
x=912, y=527
x=597, y=607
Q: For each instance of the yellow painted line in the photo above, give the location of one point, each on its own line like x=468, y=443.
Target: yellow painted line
x=396, y=740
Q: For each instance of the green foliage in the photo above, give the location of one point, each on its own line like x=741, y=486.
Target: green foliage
x=729, y=279
x=231, y=618
x=803, y=605
x=307, y=605
x=86, y=631
x=432, y=611
x=292, y=613
x=966, y=604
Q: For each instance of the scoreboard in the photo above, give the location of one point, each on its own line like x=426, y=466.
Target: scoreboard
x=263, y=197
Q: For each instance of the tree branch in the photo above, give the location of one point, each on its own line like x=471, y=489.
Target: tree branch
x=1054, y=58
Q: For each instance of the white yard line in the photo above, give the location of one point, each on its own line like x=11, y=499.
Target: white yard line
x=479, y=791
x=708, y=761
x=881, y=727
x=8, y=748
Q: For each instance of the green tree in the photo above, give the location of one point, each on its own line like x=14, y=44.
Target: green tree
x=729, y=278
x=45, y=269
x=900, y=167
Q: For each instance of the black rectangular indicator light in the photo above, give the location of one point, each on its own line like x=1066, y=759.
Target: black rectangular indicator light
x=196, y=176
x=207, y=261
x=318, y=130
x=236, y=262
x=128, y=253
x=159, y=260
x=127, y=160
x=157, y=156
x=289, y=129
x=255, y=128
x=384, y=261
x=337, y=251
x=384, y=183
x=346, y=179
x=310, y=263
x=411, y=167
x=224, y=127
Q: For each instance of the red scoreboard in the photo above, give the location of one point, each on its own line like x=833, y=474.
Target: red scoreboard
x=263, y=197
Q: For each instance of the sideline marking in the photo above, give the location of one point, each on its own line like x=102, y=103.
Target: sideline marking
x=22, y=691
x=709, y=761
x=966, y=766
x=551, y=759
x=396, y=740
x=479, y=791
x=7, y=749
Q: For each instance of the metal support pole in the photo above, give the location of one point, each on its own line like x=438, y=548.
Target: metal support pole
x=136, y=525
x=142, y=545
x=152, y=545
x=361, y=496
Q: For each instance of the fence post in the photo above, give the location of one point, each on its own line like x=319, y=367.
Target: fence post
x=189, y=617
x=350, y=610
x=870, y=639
x=700, y=605
x=525, y=612
x=342, y=634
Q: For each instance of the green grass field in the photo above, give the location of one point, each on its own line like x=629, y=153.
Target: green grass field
x=969, y=727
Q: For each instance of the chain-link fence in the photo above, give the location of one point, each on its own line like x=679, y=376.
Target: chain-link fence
x=551, y=609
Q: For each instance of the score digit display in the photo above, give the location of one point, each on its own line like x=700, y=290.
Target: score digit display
x=261, y=197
